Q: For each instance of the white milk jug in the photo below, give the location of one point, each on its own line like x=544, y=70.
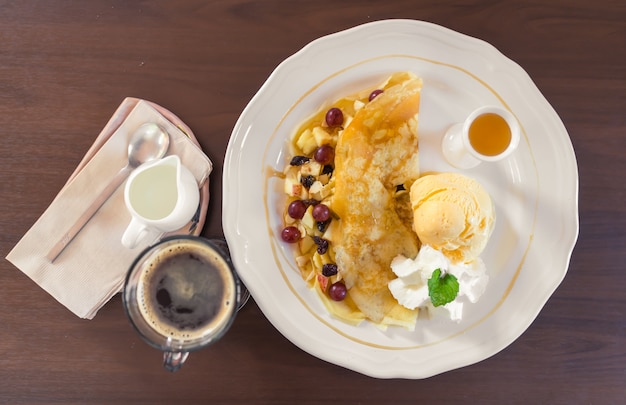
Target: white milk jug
x=161, y=196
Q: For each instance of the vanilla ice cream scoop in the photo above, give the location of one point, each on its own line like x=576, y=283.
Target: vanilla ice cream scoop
x=452, y=213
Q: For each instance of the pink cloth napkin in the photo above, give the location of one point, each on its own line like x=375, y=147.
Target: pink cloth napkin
x=93, y=266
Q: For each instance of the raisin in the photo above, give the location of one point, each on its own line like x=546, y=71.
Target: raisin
x=322, y=244
x=307, y=181
x=310, y=201
x=321, y=226
x=328, y=169
x=329, y=269
x=299, y=160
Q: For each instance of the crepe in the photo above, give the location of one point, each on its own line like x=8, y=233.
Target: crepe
x=377, y=156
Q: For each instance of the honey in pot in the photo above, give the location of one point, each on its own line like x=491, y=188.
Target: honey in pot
x=489, y=134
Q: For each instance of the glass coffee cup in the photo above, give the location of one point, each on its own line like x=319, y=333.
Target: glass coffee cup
x=181, y=295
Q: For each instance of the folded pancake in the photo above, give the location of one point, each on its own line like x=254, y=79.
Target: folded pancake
x=377, y=155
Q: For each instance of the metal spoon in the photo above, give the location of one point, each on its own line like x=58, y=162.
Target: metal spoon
x=149, y=142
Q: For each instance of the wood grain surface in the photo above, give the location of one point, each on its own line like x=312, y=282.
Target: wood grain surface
x=65, y=66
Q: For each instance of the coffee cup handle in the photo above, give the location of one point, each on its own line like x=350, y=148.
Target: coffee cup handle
x=134, y=233
x=172, y=361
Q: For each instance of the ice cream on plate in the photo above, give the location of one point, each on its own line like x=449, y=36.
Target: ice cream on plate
x=452, y=213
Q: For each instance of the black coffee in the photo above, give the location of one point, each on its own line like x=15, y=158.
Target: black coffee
x=187, y=291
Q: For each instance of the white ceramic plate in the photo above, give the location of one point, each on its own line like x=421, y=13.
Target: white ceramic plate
x=535, y=193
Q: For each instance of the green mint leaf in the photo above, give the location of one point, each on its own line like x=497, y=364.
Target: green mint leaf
x=442, y=290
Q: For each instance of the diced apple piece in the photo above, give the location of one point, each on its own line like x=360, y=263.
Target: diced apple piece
x=302, y=261
x=333, y=259
x=332, y=231
x=326, y=258
x=317, y=261
x=297, y=190
x=322, y=191
x=306, y=244
x=331, y=185
x=322, y=137
x=323, y=282
x=326, y=190
x=308, y=221
x=316, y=190
x=311, y=168
x=302, y=230
x=288, y=220
x=306, y=142
x=293, y=188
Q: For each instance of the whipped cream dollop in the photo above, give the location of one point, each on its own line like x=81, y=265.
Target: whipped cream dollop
x=410, y=289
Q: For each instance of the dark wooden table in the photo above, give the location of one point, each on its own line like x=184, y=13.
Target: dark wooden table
x=66, y=65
